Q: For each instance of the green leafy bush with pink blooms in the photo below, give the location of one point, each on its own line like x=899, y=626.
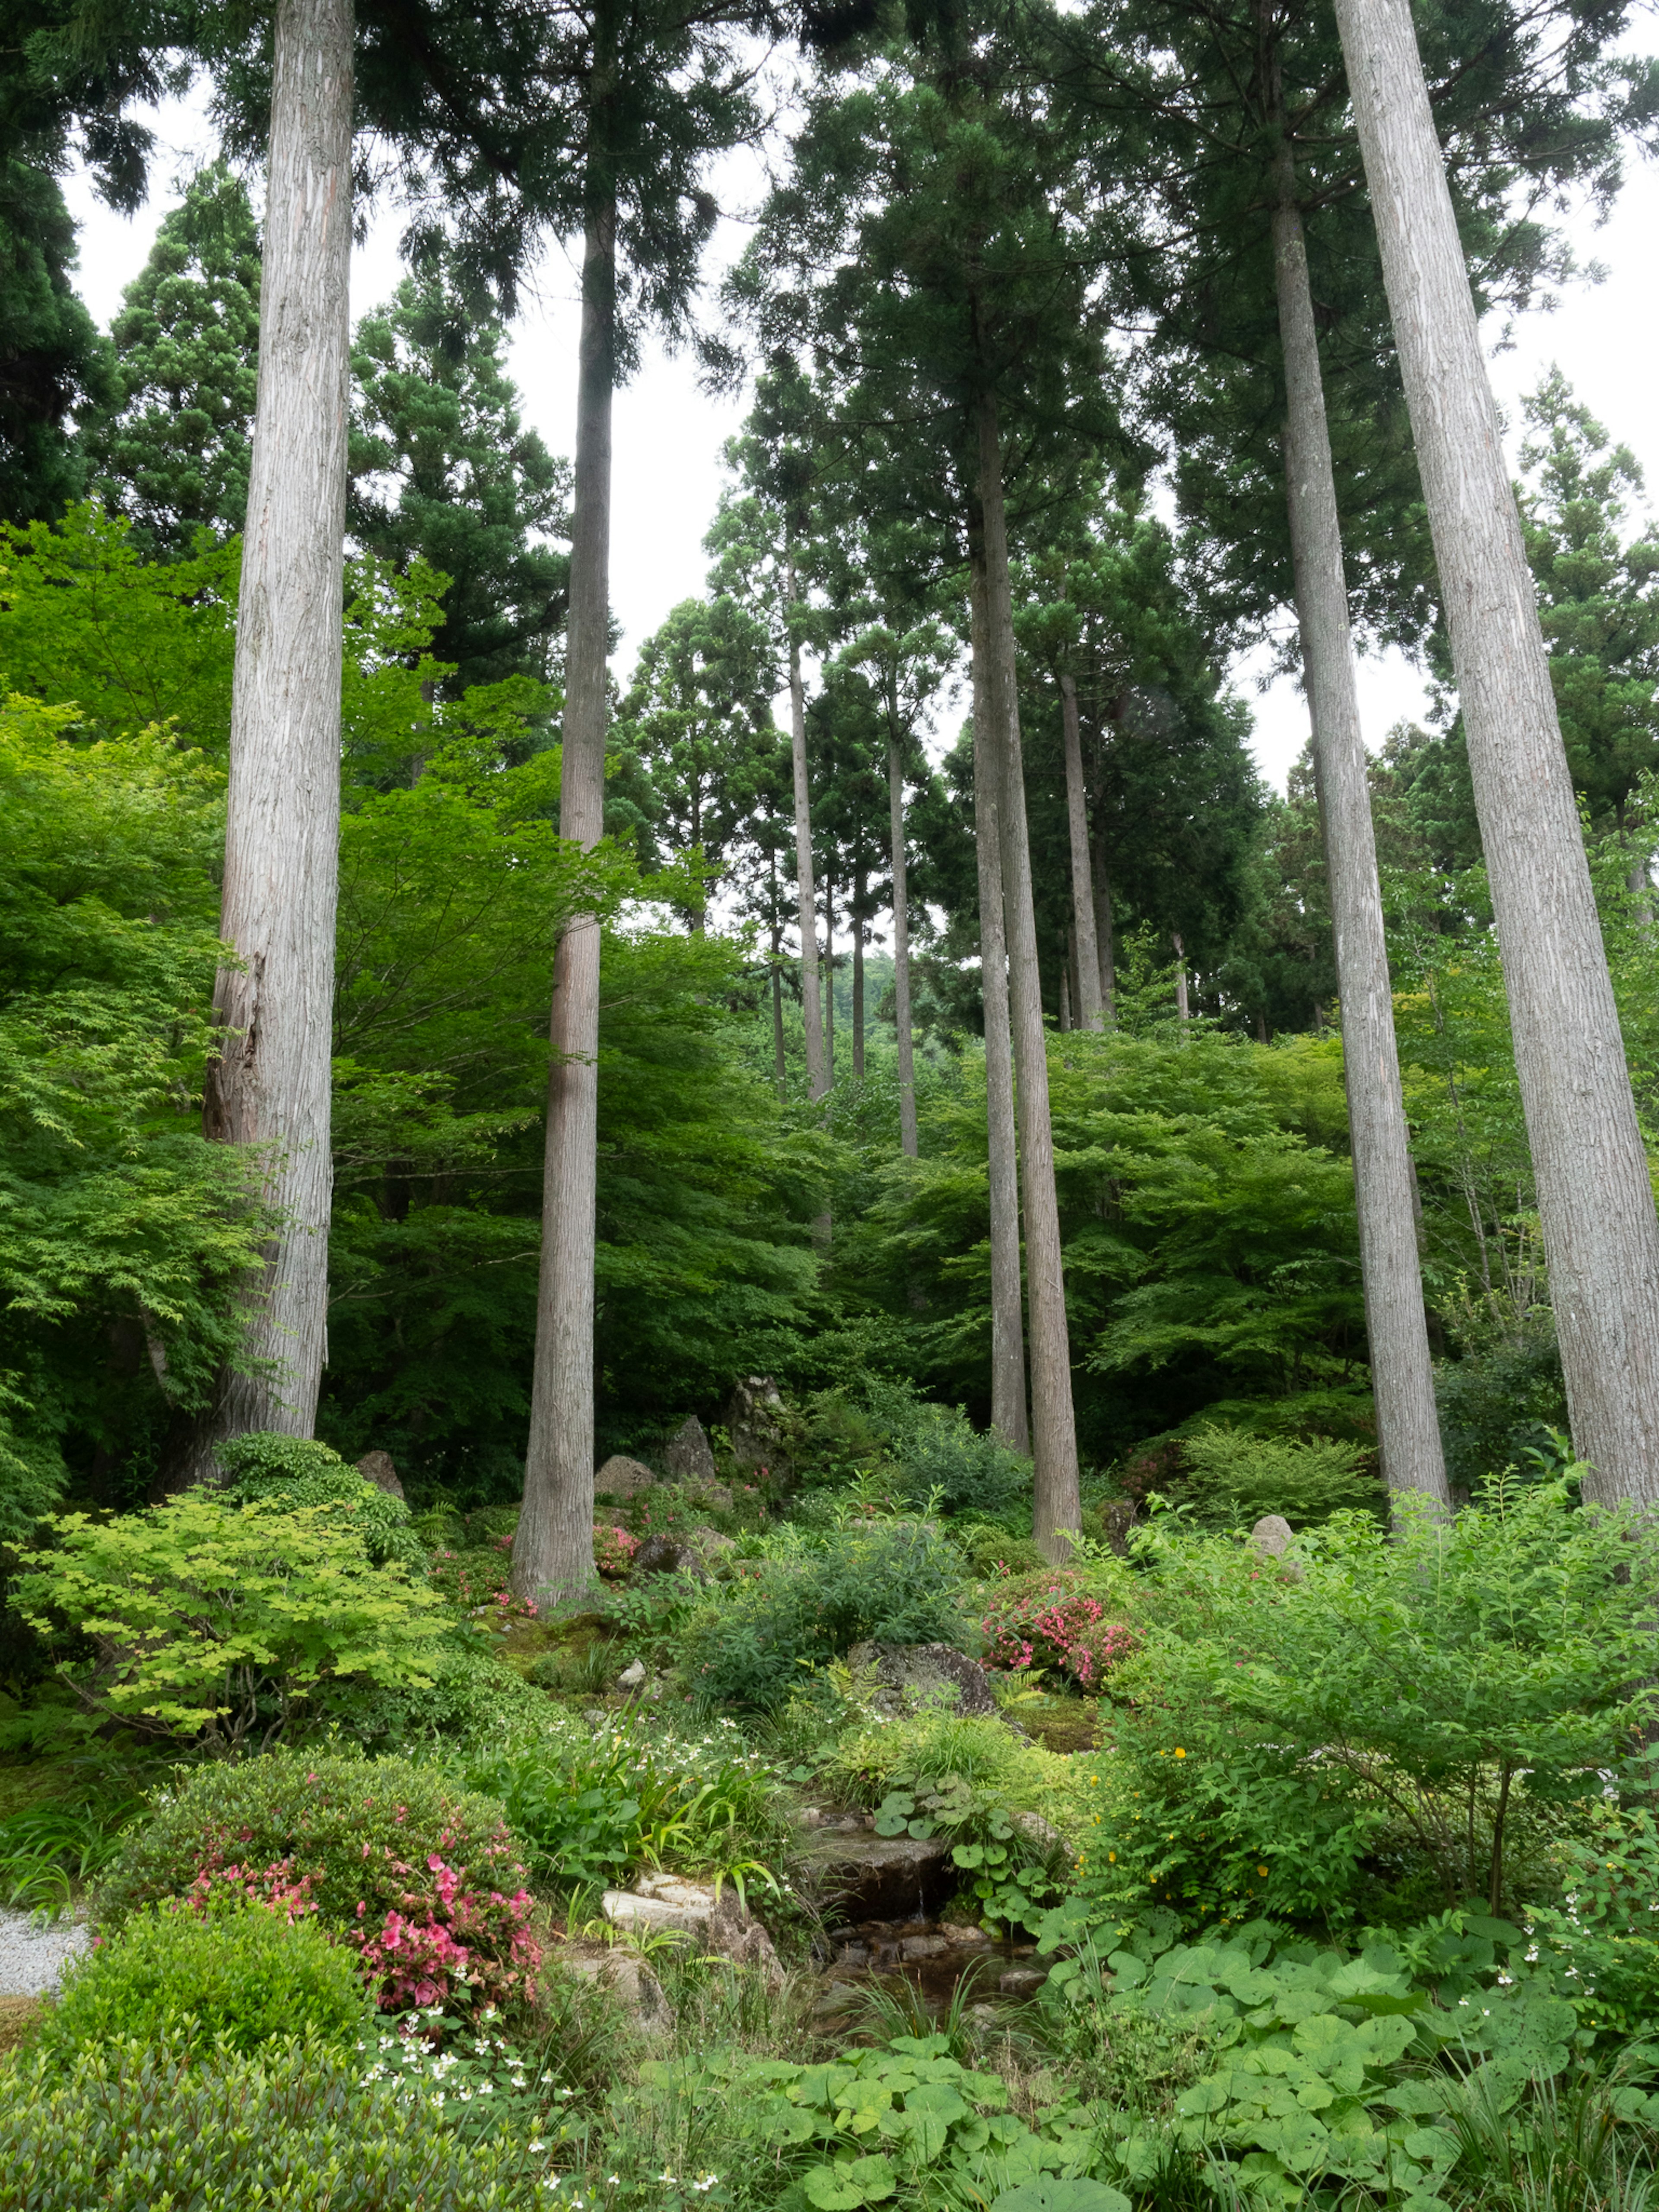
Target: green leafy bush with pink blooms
x=1059, y=1621
x=423, y=1879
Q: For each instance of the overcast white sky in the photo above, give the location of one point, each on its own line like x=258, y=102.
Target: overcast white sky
x=669, y=434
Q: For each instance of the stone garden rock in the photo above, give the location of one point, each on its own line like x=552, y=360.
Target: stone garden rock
x=625, y=1975
x=670, y=1555
x=756, y=1422
x=623, y=1478
x=376, y=1467
x=1117, y=1517
x=1273, y=1532
x=909, y=1673
x=719, y=1922
x=870, y=1877
x=687, y=1456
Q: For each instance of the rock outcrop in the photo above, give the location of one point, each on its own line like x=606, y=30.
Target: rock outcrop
x=621, y=1478
x=719, y=1921
x=910, y=1674
x=376, y=1467
x=687, y=1456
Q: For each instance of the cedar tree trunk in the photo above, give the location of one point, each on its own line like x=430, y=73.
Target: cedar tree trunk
x=269, y=1086
x=906, y=1066
x=1053, y=1432
x=1090, y=1010
x=553, y=1549
x=1594, y=1195
x=1403, y=1376
x=1008, y=1413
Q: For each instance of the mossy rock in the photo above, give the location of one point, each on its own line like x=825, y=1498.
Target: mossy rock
x=1063, y=1725
x=18, y=2016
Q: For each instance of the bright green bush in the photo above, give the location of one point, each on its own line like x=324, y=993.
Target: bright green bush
x=131, y=2127
x=238, y=1977
x=220, y=1619
x=1234, y=1478
x=420, y=1876
x=991, y=1552
x=1440, y=1686
x=899, y=1583
x=298, y=1471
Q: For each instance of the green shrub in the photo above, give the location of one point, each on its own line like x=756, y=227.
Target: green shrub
x=992, y=1552
x=239, y=1976
x=1439, y=1686
x=422, y=1877
x=220, y=1619
x=898, y=1583
x=296, y=1471
x=1233, y=1478
x=1601, y=1935
x=130, y=2127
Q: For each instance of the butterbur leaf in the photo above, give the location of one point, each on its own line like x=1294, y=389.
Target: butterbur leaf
x=1204, y=2096
x=890, y=1823
x=851, y=2182
x=1046, y=2195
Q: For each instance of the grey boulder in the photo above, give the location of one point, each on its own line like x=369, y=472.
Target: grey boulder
x=621, y=1478
x=376, y=1467
x=687, y=1456
x=910, y=1674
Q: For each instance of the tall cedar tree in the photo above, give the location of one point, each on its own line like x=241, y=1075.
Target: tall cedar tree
x=268, y=1085
x=930, y=240
x=660, y=91
x=1594, y=1193
x=173, y=455
x=444, y=471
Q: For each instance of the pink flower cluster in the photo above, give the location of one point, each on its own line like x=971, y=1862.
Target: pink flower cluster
x=275, y=1886
x=445, y=1936
x=613, y=1549
x=1052, y=1622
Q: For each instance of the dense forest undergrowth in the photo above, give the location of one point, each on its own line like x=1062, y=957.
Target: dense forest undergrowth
x=816, y=1426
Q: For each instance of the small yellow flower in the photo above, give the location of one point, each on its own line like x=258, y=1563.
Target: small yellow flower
x=1180, y=1754
x=1262, y=1871
x=1111, y=1858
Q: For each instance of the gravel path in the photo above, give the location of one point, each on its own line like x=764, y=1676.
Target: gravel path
x=32, y=1956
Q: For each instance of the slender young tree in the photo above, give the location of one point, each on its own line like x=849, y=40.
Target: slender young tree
x=660, y=91
x=819, y=1072
x=269, y=1086
x=1594, y=1191
x=1054, y=1431
x=1009, y=1416
x=1396, y=1325
x=1091, y=1004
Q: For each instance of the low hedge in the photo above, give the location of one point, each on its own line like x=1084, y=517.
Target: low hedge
x=130, y=2127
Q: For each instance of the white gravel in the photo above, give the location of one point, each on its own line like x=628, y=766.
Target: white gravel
x=31, y=1952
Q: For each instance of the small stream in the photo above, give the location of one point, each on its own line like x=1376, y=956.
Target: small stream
x=934, y=1957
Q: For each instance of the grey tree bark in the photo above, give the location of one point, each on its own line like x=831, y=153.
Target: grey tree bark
x=830, y=982
x=269, y=1086
x=1009, y=1416
x=806, y=907
x=1403, y=1374
x=857, y=917
x=1058, y=1505
x=1183, y=1010
x=553, y=1549
x=1595, y=1197
x=1090, y=1010
x=906, y=1066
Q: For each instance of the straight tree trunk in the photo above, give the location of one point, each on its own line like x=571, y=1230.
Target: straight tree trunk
x=1595, y=1196
x=1053, y=1431
x=906, y=1066
x=1104, y=940
x=1066, y=994
x=805, y=896
x=269, y=1086
x=1008, y=1406
x=829, y=980
x=1090, y=1010
x=857, y=973
x=1396, y=1329
x=553, y=1549
x=778, y=1065
x=1183, y=1008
